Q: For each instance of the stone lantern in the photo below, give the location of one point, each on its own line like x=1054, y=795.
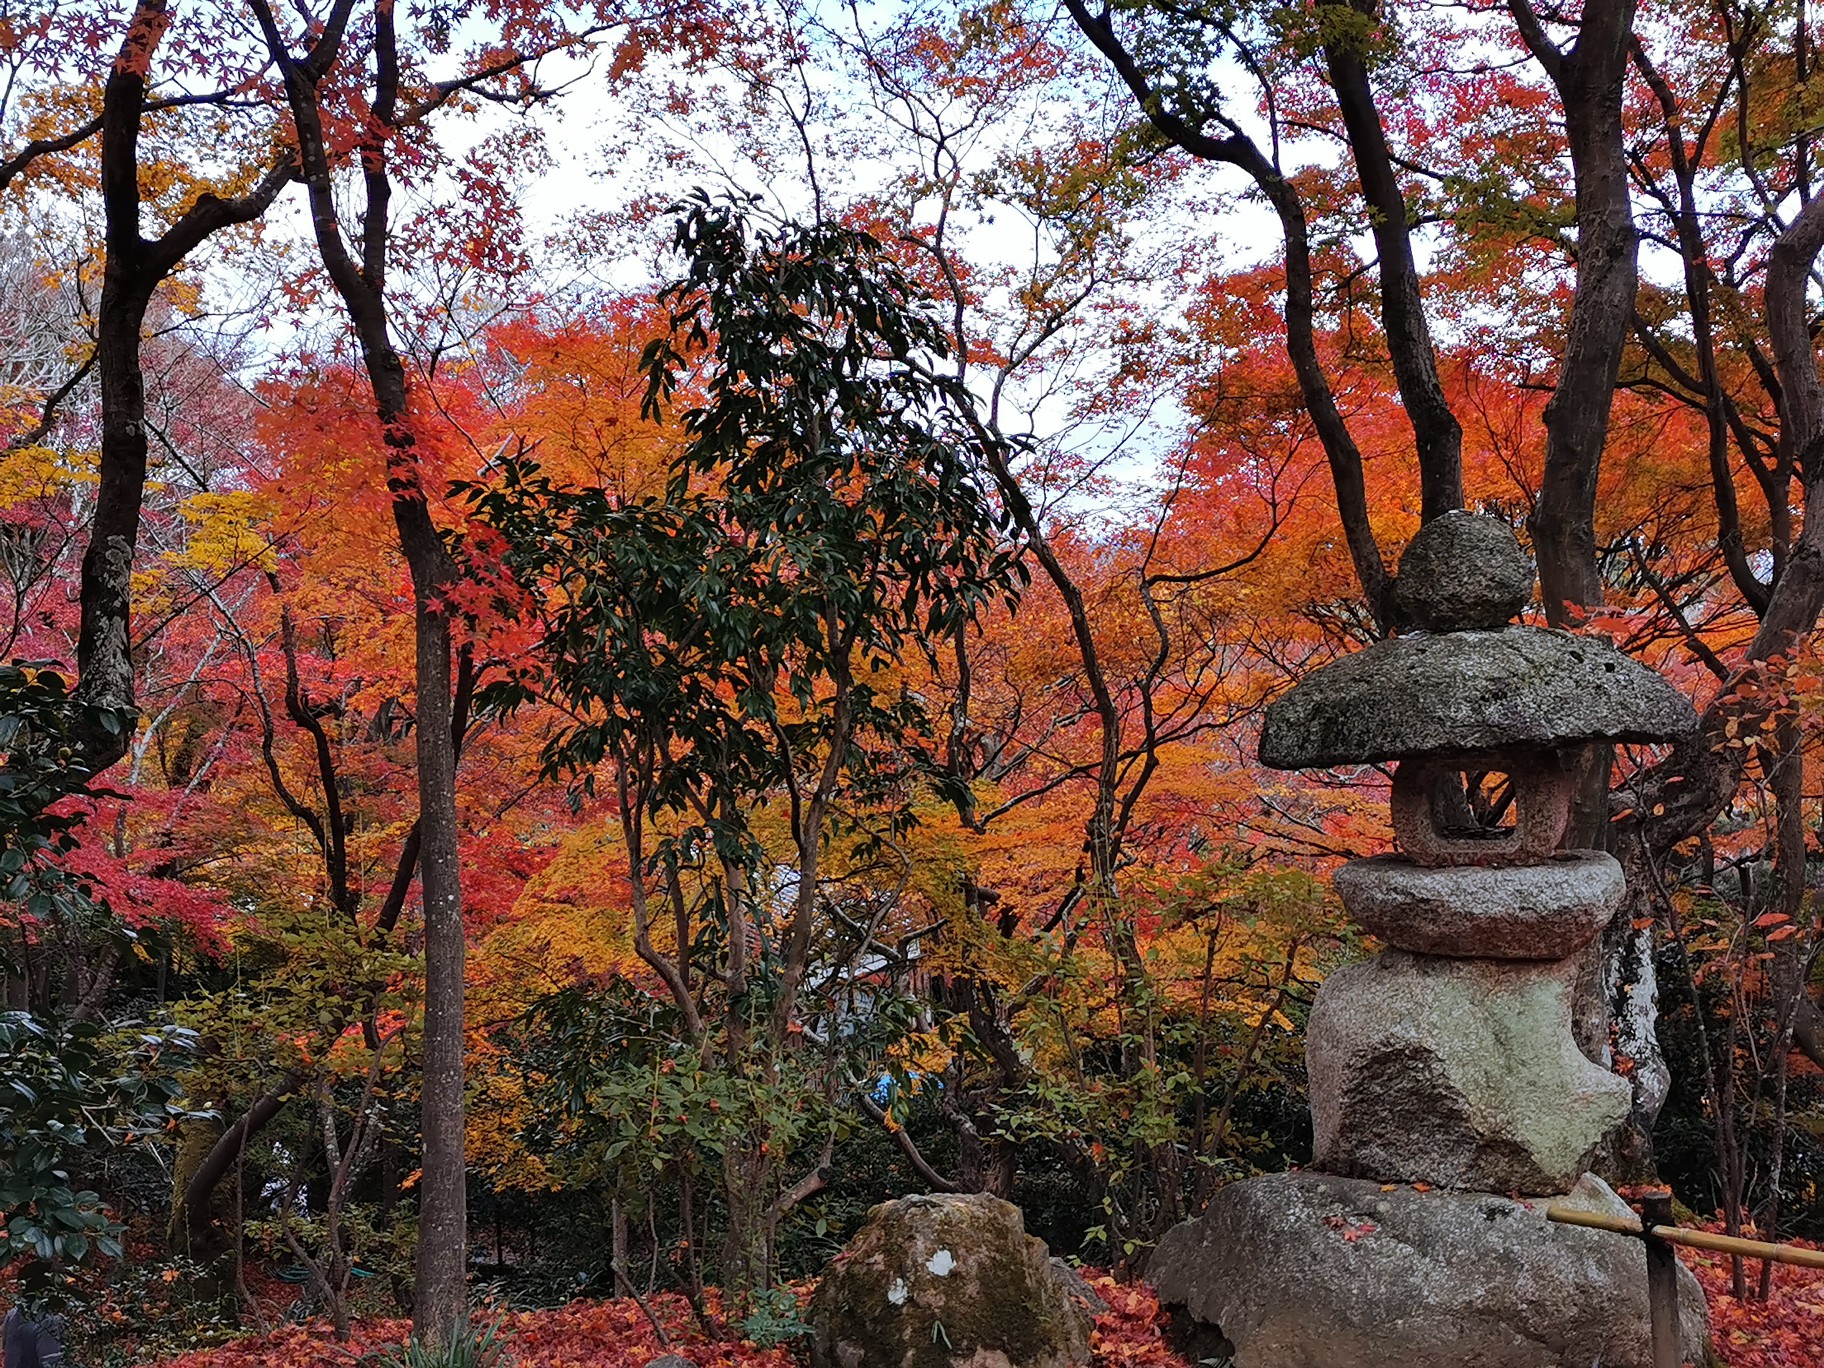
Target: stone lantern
x=1448, y=1060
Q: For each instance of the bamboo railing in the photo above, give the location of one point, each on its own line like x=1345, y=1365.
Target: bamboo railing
x=1691, y=1239
x=1655, y=1229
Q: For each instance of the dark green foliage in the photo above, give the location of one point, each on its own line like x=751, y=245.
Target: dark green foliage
x=64, y=1090
x=622, y=1111
x=774, y=1317
x=71, y=1091
x=468, y=1346
x=621, y=1104
x=728, y=650
x=35, y=711
x=823, y=513
x=38, y=767
x=1685, y=1139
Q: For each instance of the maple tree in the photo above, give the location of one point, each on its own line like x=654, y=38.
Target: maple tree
x=135, y=268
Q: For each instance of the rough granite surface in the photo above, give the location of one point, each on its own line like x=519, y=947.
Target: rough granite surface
x=1459, y=1072
x=1517, y=689
x=1528, y=912
x=1306, y=1270
x=1462, y=570
x=946, y=1281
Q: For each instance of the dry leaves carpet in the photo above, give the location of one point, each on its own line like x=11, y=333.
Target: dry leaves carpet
x=1784, y=1332
x=617, y=1334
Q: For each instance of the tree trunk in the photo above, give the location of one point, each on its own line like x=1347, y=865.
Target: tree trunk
x=748, y=1179
x=442, y=1268
x=441, y=1298
x=1436, y=433
x=440, y=1302
x=104, y=659
x=1589, y=81
x=134, y=269
x=1238, y=150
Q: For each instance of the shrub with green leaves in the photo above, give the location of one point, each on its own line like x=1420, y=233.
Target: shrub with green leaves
x=774, y=1317
x=65, y=1088
x=38, y=766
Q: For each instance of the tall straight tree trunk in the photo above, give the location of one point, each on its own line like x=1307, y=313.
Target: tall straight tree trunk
x=1588, y=77
x=440, y=1302
x=442, y=1269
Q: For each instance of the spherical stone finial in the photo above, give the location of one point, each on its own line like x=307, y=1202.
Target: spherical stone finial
x=1463, y=571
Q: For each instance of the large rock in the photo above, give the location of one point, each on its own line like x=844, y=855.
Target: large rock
x=946, y=1282
x=1077, y=1287
x=1458, y=1072
x=1549, y=910
x=1518, y=689
x=1304, y=1270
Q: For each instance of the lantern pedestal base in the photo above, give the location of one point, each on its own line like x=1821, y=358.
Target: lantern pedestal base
x=1458, y=1072
x=1307, y=1270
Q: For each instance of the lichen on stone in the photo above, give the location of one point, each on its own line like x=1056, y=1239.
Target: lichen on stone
x=948, y=1281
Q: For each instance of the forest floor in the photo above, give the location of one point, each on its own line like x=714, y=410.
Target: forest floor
x=1787, y=1331
x=618, y=1334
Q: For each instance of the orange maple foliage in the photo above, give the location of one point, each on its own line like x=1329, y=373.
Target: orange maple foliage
x=1784, y=1332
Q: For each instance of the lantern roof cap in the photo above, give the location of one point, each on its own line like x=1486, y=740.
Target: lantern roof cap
x=1465, y=682
x=1446, y=693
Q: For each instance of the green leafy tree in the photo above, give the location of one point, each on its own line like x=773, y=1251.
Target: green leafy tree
x=729, y=653
x=68, y=1087
x=53, y=920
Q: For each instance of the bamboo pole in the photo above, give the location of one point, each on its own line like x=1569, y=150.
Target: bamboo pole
x=1693, y=1239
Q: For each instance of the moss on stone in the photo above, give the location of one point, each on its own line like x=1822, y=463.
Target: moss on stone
x=997, y=1303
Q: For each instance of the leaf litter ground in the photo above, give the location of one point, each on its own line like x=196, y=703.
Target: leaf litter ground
x=1784, y=1332
x=617, y=1334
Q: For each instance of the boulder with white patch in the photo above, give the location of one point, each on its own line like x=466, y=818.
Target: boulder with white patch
x=946, y=1281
